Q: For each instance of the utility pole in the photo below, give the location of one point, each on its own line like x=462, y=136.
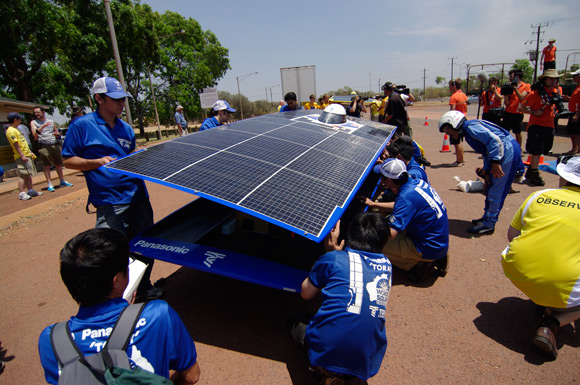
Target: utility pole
x=537, y=56
x=424, y=88
x=452, y=58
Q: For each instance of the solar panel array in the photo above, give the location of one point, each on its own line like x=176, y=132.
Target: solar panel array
x=283, y=168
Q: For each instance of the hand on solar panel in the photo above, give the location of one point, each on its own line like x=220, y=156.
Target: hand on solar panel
x=331, y=240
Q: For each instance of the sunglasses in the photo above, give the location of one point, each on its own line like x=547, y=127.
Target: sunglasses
x=119, y=99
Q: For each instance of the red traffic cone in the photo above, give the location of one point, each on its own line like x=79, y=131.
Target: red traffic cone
x=445, y=147
x=426, y=122
x=527, y=162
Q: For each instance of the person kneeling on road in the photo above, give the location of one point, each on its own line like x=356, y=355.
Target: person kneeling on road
x=501, y=159
x=346, y=339
x=419, y=233
x=543, y=257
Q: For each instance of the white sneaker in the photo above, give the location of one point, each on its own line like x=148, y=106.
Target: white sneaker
x=23, y=196
x=34, y=193
x=455, y=164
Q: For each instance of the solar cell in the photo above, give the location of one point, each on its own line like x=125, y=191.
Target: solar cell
x=286, y=168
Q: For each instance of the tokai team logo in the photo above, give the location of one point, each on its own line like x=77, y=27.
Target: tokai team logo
x=379, y=289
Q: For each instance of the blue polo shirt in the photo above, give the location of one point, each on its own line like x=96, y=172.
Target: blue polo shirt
x=209, y=123
x=416, y=171
x=421, y=212
x=90, y=137
x=160, y=340
x=285, y=108
x=347, y=335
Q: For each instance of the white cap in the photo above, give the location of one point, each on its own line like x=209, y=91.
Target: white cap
x=393, y=168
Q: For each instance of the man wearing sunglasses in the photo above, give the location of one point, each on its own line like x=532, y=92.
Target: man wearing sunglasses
x=543, y=257
x=122, y=202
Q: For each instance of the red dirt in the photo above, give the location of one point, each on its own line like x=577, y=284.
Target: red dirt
x=470, y=327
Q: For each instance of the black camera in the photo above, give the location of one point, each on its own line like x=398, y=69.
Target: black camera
x=402, y=89
x=508, y=88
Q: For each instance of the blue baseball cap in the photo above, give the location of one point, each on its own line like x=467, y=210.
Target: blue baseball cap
x=222, y=105
x=110, y=87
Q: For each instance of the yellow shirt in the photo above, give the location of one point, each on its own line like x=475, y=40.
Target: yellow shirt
x=544, y=260
x=383, y=105
x=15, y=136
x=311, y=106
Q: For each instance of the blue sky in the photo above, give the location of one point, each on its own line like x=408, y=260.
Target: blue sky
x=393, y=41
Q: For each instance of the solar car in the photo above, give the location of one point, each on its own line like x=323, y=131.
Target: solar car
x=270, y=189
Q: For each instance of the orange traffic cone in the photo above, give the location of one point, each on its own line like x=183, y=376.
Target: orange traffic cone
x=527, y=162
x=426, y=121
x=445, y=147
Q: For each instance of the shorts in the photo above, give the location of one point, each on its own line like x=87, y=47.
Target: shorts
x=549, y=65
x=512, y=122
x=540, y=140
x=26, y=169
x=50, y=154
x=402, y=252
x=573, y=128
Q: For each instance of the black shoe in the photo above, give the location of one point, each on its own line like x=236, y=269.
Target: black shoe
x=477, y=221
x=535, y=178
x=480, y=229
x=442, y=265
x=420, y=271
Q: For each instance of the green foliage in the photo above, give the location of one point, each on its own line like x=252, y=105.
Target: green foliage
x=440, y=80
x=526, y=67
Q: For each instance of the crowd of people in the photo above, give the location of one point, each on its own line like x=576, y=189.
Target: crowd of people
x=406, y=227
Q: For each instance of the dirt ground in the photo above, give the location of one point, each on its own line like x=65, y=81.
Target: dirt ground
x=471, y=327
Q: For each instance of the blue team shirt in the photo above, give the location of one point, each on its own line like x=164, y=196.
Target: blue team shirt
x=347, y=334
x=421, y=212
x=488, y=139
x=209, y=123
x=90, y=137
x=160, y=341
x=285, y=108
x=416, y=171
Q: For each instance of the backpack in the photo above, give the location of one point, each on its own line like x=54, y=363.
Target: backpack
x=111, y=365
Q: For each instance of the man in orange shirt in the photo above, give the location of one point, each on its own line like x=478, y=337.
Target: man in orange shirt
x=512, y=118
x=491, y=100
x=548, y=59
x=573, y=127
x=538, y=103
x=458, y=102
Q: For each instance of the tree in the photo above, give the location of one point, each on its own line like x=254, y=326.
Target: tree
x=33, y=31
x=440, y=80
x=526, y=67
x=188, y=62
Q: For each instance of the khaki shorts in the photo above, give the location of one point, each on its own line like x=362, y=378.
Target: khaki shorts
x=50, y=154
x=402, y=252
x=26, y=170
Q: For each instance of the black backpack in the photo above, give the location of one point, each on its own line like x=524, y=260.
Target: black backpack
x=109, y=366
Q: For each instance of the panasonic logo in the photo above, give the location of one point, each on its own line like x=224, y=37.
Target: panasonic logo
x=159, y=246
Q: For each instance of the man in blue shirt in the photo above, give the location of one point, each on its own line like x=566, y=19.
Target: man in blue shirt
x=419, y=228
x=346, y=338
x=222, y=114
x=180, y=121
x=501, y=160
x=291, y=103
x=96, y=139
x=94, y=268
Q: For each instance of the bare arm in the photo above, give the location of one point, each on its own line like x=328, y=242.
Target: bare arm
x=19, y=151
x=309, y=291
x=393, y=233
x=512, y=233
x=82, y=164
x=188, y=376
x=387, y=206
